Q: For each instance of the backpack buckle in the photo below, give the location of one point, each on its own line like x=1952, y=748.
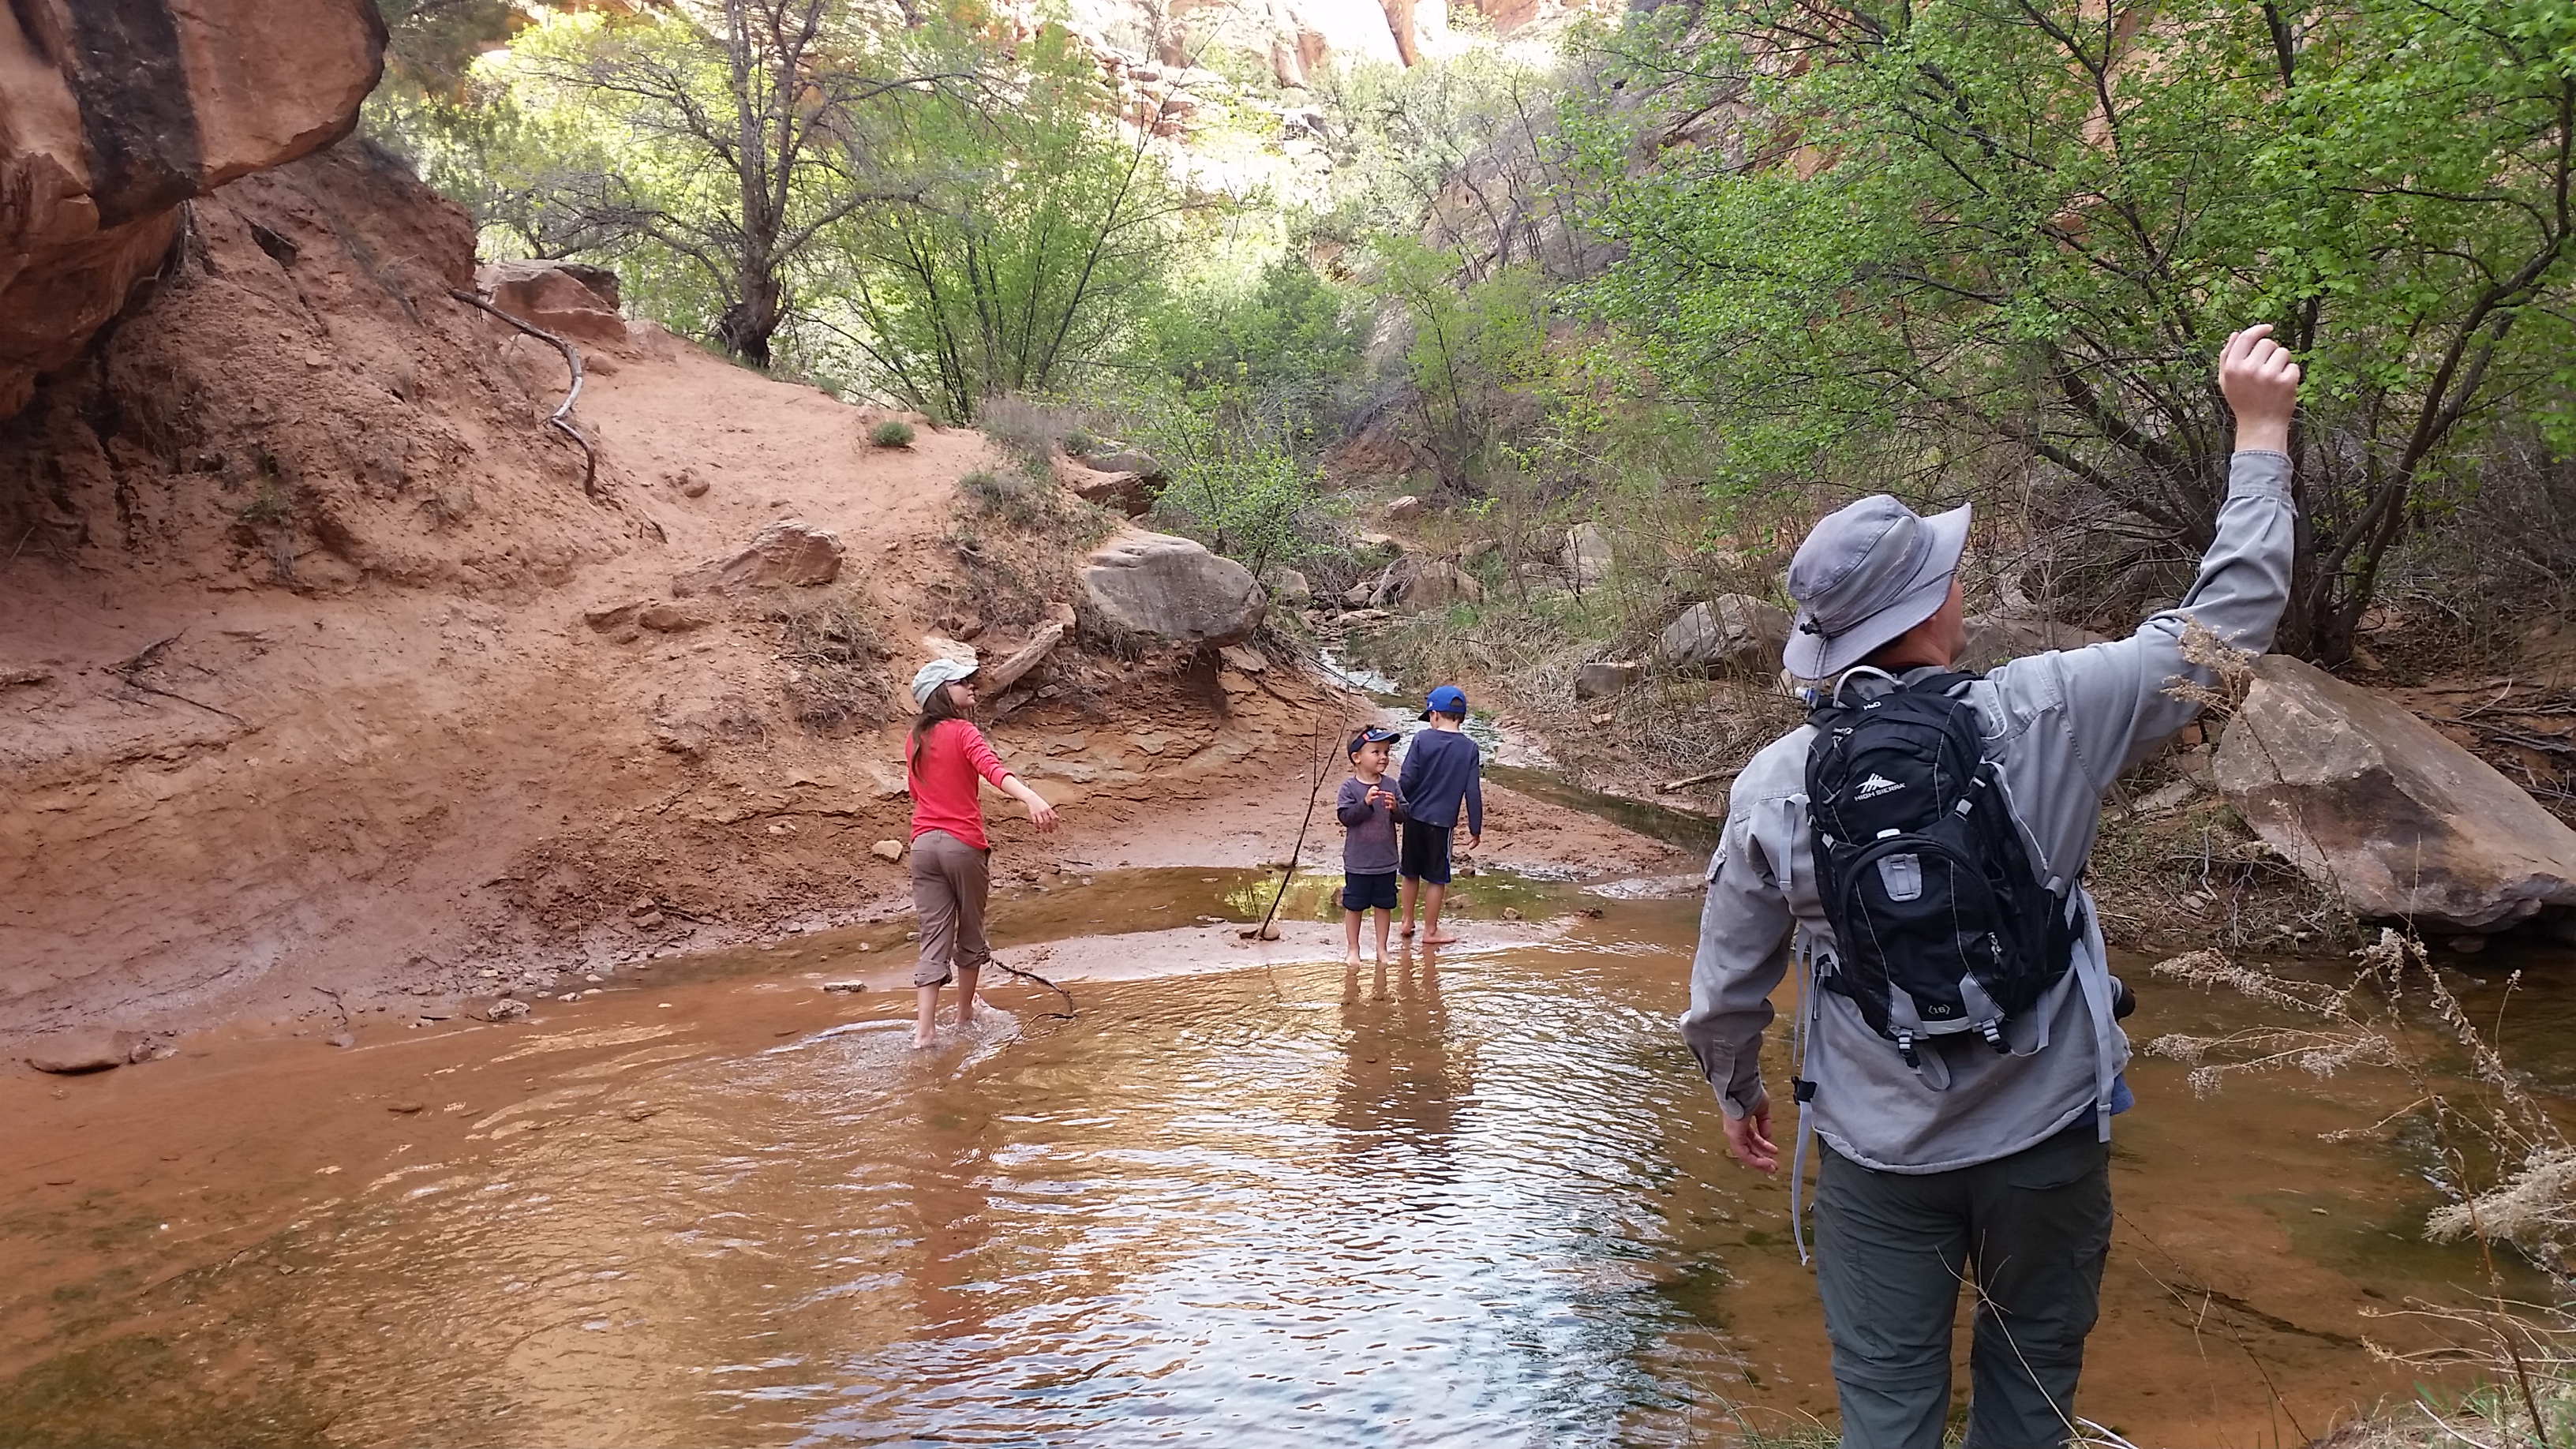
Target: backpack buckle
x=1992, y=1031
x=1905, y=1049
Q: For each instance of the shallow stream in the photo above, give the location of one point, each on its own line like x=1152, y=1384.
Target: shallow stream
x=1481, y=1201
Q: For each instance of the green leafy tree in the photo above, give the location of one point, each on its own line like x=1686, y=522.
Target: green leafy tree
x=1928, y=245
x=1032, y=233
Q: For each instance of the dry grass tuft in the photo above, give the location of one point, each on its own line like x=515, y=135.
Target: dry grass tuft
x=835, y=650
x=2484, y=1124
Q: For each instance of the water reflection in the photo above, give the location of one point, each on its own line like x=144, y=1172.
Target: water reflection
x=1396, y=1102
x=1475, y=1198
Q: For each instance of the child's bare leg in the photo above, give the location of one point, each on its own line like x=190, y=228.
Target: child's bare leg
x=1351, y=935
x=1404, y=890
x=1432, y=896
x=1385, y=918
x=925, y=1014
x=966, y=994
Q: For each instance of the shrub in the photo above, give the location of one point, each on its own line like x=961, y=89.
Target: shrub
x=892, y=433
x=835, y=646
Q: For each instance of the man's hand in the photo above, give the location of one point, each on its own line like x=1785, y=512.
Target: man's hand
x=1749, y=1137
x=1473, y=840
x=2262, y=386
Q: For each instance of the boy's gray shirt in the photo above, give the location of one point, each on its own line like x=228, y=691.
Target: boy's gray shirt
x=2062, y=725
x=1368, y=842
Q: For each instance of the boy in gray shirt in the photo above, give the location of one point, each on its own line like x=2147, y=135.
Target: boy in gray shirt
x=1369, y=805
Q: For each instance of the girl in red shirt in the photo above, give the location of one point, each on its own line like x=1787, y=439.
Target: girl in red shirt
x=951, y=879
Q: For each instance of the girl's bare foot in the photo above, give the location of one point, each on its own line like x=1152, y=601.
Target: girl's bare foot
x=1439, y=940
x=922, y=1043
x=1352, y=959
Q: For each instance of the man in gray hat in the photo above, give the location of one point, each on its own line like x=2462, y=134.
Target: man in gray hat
x=1982, y=1157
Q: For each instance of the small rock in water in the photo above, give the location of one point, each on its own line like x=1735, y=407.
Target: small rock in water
x=2467, y=945
x=1510, y=914
x=507, y=1009
x=845, y=986
x=341, y=1039
x=864, y=946
x=594, y=978
x=406, y=1108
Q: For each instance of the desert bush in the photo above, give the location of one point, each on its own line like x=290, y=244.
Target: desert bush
x=834, y=648
x=892, y=433
x=1027, y=429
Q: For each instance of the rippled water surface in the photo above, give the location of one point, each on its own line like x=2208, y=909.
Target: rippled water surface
x=1480, y=1202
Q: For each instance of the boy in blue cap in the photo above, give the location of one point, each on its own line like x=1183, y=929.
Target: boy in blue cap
x=1442, y=771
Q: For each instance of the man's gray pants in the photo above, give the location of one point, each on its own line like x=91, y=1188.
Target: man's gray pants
x=1891, y=1251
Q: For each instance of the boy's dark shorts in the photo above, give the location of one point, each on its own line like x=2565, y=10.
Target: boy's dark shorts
x=1368, y=892
x=1425, y=853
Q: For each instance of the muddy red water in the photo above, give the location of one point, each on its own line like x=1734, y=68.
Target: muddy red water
x=1483, y=1201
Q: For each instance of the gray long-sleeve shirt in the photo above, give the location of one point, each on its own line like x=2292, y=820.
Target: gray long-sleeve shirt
x=2062, y=725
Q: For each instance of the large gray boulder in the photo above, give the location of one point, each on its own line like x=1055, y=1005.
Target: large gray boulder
x=1171, y=588
x=1997, y=638
x=2363, y=796
x=1731, y=631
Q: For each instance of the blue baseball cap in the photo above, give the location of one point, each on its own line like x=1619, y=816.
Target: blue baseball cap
x=1447, y=699
x=1373, y=735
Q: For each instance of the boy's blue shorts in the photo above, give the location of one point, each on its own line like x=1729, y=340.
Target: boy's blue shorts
x=1426, y=853
x=1367, y=892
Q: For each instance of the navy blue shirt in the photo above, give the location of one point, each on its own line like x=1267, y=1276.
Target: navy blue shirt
x=1440, y=771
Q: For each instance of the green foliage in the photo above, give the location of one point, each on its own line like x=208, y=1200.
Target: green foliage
x=1030, y=233
x=1950, y=242
x=1237, y=482
x=892, y=433
x=1288, y=339
x=1472, y=348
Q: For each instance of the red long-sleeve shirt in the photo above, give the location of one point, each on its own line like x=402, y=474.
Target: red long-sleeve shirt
x=941, y=775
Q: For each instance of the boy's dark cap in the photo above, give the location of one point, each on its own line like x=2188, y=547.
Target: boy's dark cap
x=1447, y=699
x=1373, y=735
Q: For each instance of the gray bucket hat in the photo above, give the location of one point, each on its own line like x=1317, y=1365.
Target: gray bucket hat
x=1867, y=573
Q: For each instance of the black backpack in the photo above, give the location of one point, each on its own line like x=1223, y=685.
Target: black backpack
x=1939, y=925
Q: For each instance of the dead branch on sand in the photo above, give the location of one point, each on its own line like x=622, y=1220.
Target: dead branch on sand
x=561, y=419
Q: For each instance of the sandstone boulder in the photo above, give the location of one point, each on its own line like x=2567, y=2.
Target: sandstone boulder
x=1126, y=460
x=1289, y=586
x=565, y=298
x=110, y=116
x=70, y=1053
x=1731, y=631
x=1602, y=679
x=1128, y=490
x=788, y=552
x=1996, y=638
x=1437, y=583
x=1170, y=588
x=1001, y=676
x=1403, y=506
x=2363, y=796
x=1586, y=555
